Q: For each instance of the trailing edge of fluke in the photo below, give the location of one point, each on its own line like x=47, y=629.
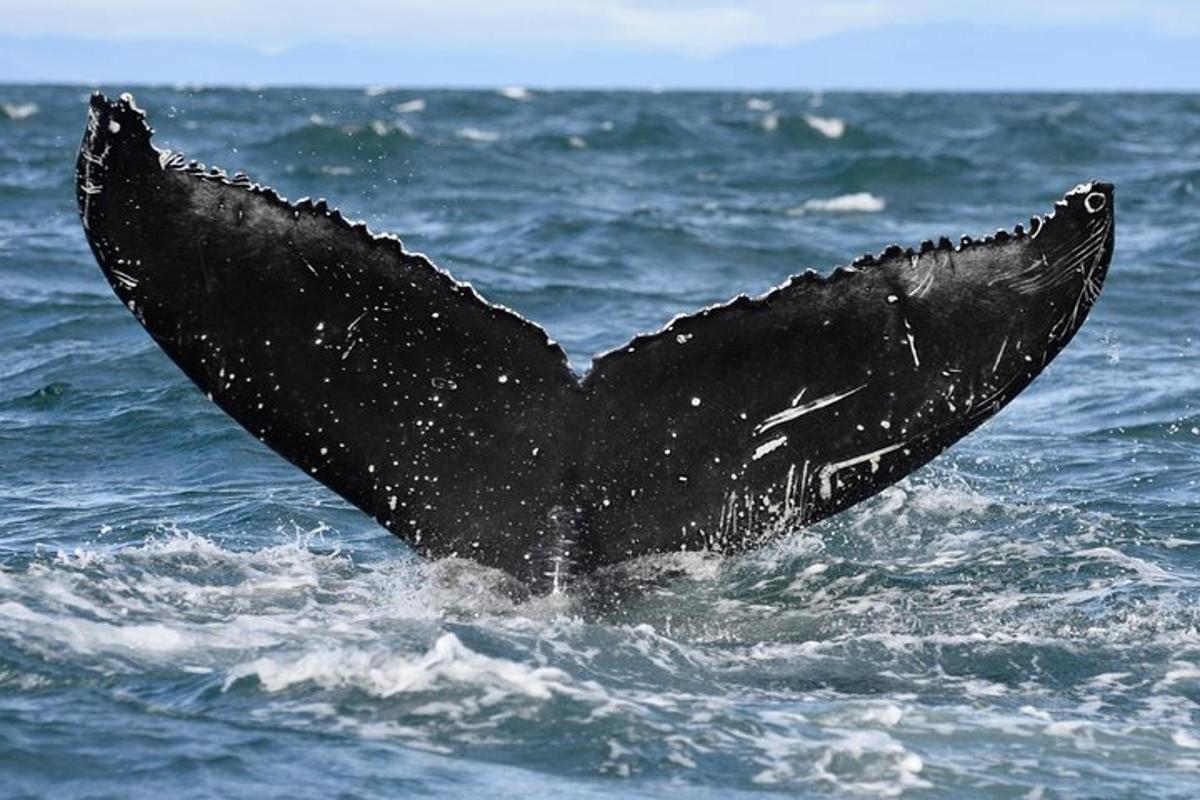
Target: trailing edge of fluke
x=459, y=426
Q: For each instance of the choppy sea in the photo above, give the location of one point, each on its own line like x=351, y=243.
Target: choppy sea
x=182, y=614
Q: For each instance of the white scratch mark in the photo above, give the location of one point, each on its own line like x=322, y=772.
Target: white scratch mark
x=926, y=281
x=764, y=449
x=999, y=355
x=829, y=470
x=92, y=158
x=789, y=414
x=912, y=345
x=127, y=281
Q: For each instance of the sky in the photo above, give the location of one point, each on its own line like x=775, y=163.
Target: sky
x=912, y=44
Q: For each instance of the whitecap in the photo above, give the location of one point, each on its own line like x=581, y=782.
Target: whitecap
x=1059, y=112
x=410, y=106
x=759, y=104
x=869, y=763
x=379, y=127
x=83, y=602
x=376, y=91
x=1148, y=572
x=829, y=127
x=19, y=111
x=1184, y=738
x=386, y=673
x=515, y=93
x=477, y=135
x=855, y=203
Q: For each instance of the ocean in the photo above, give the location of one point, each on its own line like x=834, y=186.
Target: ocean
x=183, y=614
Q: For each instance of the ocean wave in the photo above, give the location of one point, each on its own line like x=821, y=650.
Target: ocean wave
x=379, y=127
x=348, y=141
x=800, y=129
x=646, y=129
x=884, y=168
x=187, y=597
x=1060, y=112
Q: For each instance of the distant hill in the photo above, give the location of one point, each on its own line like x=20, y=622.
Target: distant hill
x=926, y=57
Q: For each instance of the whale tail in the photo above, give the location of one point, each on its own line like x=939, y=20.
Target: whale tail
x=460, y=427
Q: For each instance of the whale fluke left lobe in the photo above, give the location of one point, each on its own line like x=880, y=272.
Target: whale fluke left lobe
x=361, y=363
x=459, y=426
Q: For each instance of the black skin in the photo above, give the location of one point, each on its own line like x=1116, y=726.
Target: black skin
x=459, y=426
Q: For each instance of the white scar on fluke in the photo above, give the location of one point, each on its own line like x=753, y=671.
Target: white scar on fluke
x=86, y=186
x=742, y=512
x=1000, y=355
x=827, y=472
x=789, y=414
x=912, y=345
x=764, y=449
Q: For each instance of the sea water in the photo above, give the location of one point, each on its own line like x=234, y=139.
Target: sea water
x=182, y=614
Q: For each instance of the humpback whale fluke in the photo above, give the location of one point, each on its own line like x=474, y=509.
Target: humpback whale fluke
x=460, y=427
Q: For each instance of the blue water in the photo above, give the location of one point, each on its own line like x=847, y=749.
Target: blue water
x=182, y=614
